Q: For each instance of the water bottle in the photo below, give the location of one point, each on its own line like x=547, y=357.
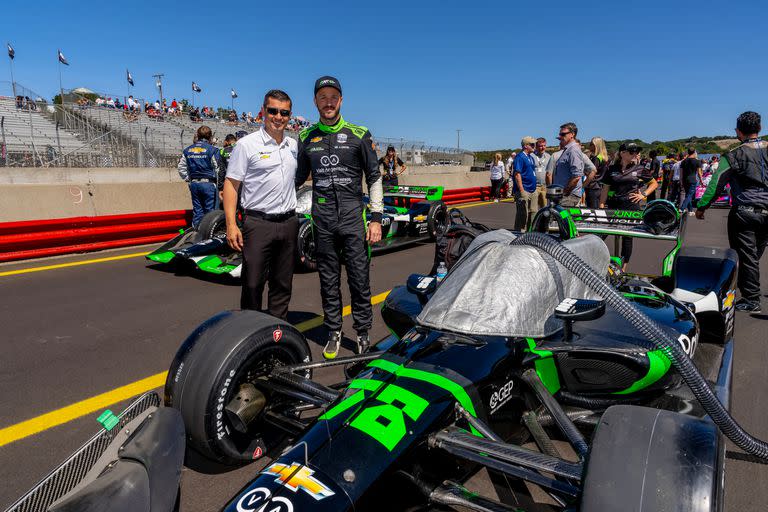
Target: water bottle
x=442, y=270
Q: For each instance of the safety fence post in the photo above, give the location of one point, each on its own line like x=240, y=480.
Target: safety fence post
x=4, y=147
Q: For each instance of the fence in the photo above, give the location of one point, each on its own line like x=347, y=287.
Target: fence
x=40, y=238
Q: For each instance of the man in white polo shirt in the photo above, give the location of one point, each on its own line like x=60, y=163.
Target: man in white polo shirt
x=264, y=163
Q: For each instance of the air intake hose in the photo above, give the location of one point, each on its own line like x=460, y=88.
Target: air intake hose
x=656, y=339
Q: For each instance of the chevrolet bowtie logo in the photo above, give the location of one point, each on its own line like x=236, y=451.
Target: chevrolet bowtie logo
x=297, y=476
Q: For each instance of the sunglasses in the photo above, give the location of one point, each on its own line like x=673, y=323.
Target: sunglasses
x=273, y=111
x=562, y=134
x=633, y=151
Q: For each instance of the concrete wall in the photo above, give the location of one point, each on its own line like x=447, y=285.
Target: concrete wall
x=33, y=194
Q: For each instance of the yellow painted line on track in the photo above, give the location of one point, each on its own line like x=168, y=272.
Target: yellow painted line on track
x=96, y=403
x=71, y=264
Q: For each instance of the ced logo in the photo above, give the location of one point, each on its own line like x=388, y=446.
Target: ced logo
x=256, y=500
x=329, y=160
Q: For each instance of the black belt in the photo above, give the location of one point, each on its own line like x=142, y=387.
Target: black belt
x=752, y=209
x=202, y=180
x=271, y=217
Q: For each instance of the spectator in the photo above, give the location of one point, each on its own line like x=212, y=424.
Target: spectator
x=690, y=177
x=497, y=175
x=541, y=158
x=524, y=183
x=666, y=174
x=593, y=183
x=653, y=169
x=509, y=164
x=569, y=168
x=389, y=165
x=674, y=193
x=624, y=178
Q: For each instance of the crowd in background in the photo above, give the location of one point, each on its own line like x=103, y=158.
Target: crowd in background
x=160, y=110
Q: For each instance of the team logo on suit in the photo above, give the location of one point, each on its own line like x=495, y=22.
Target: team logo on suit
x=329, y=160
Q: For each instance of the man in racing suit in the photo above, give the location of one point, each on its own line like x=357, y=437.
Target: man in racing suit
x=746, y=170
x=199, y=166
x=339, y=155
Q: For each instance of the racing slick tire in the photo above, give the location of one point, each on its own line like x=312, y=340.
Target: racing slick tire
x=437, y=219
x=306, y=257
x=231, y=349
x=213, y=223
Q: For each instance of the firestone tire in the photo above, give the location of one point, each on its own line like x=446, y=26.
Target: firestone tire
x=213, y=223
x=226, y=351
x=437, y=219
x=306, y=257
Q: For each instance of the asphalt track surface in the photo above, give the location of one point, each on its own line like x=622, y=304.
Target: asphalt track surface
x=72, y=332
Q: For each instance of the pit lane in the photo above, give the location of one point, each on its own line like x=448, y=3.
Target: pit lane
x=75, y=331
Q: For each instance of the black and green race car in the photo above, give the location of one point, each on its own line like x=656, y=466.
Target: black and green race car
x=411, y=214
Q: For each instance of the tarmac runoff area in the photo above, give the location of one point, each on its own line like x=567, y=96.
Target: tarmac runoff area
x=86, y=333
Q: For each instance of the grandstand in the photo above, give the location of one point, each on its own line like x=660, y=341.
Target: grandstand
x=78, y=134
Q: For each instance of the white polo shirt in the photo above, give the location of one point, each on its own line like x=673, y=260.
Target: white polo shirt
x=267, y=171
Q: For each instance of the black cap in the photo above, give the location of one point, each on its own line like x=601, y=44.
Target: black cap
x=240, y=134
x=327, y=81
x=631, y=147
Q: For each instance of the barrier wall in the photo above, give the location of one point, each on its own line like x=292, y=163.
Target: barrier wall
x=46, y=212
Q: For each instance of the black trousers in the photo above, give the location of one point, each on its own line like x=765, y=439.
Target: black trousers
x=748, y=236
x=496, y=188
x=626, y=241
x=269, y=254
x=593, y=197
x=389, y=182
x=346, y=242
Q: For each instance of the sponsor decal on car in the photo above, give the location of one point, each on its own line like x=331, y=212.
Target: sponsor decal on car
x=257, y=500
x=728, y=300
x=502, y=396
x=688, y=344
x=419, y=218
x=277, y=334
x=297, y=476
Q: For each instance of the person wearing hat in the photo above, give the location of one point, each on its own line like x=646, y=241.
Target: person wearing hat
x=390, y=163
x=340, y=155
x=524, y=183
x=630, y=186
x=746, y=170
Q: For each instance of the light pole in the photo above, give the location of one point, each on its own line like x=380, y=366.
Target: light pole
x=458, y=139
x=159, y=84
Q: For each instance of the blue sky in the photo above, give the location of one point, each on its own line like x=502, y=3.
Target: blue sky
x=421, y=70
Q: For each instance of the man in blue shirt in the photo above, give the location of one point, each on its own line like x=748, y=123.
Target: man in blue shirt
x=524, y=182
x=199, y=166
x=569, y=168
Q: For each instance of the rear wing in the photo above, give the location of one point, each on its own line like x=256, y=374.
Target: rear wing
x=630, y=223
x=414, y=191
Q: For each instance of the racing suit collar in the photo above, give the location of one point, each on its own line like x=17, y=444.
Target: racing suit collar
x=332, y=129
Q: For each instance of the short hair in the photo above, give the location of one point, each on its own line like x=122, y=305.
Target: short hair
x=541, y=139
x=204, y=132
x=691, y=150
x=571, y=127
x=277, y=94
x=230, y=138
x=748, y=123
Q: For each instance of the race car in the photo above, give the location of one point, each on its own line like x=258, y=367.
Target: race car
x=601, y=393
x=411, y=214
x=724, y=201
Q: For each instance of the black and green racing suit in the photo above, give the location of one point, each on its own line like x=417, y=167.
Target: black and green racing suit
x=339, y=157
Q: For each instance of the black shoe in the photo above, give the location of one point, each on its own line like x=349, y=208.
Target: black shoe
x=751, y=306
x=363, y=343
x=331, y=349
